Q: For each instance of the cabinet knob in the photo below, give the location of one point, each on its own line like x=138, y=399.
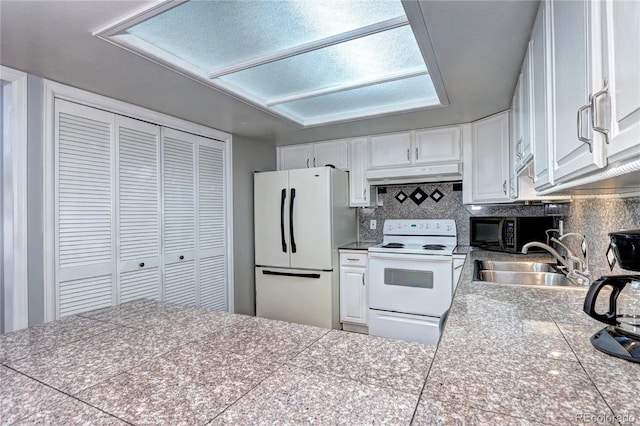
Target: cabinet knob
x=363, y=279
x=314, y=162
x=504, y=187
x=408, y=153
x=141, y=264
x=307, y=163
x=181, y=257
x=417, y=153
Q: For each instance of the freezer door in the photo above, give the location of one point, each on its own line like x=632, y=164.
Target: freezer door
x=300, y=296
x=310, y=211
x=271, y=218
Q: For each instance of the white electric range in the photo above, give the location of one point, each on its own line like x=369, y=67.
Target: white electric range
x=411, y=279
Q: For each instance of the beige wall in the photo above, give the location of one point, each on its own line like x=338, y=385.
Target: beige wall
x=248, y=156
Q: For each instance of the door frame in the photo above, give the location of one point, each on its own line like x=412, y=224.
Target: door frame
x=52, y=91
x=14, y=205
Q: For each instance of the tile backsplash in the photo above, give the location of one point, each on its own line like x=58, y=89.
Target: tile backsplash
x=431, y=201
x=594, y=217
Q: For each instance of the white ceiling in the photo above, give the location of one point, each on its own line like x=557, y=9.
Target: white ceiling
x=479, y=48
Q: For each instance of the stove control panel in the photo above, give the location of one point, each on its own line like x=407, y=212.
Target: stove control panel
x=420, y=227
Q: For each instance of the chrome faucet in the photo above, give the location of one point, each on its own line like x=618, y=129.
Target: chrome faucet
x=575, y=268
x=584, y=269
x=554, y=253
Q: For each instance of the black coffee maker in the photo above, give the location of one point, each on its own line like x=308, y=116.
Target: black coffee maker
x=621, y=338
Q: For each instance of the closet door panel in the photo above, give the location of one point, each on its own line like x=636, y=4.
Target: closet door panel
x=139, y=208
x=211, y=229
x=84, y=208
x=179, y=216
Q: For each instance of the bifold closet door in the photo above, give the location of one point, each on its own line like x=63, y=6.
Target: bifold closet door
x=85, y=267
x=138, y=159
x=179, y=216
x=211, y=220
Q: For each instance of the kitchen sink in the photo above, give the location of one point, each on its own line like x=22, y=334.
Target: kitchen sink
x=515, y=266
x=521, y=273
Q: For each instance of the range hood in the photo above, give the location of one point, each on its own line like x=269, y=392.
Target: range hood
x=416, y=174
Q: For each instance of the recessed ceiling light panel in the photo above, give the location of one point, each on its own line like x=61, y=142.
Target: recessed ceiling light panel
x=311, y=62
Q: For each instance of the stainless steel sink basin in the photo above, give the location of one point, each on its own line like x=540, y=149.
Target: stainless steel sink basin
x=526, y=278
x=515, y=266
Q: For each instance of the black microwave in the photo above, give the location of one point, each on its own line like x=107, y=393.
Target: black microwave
x=508, y=234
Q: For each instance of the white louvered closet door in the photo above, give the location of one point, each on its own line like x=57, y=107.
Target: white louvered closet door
x=84, y=209
x=211, y=225
x=138, y=159
x=179, y=216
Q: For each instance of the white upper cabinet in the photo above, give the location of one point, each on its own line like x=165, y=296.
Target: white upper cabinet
x=486, y=159
x=318, y=154
x=359, y=188
x=622, y=69
x=538, y=49
x=524, y=151
x=575, y=55
x=428, y=146
x=294, y=156
x=440, y=145
x=335, y=153
x=390, y=150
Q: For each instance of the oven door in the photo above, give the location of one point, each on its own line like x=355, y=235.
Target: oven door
x=412, y=284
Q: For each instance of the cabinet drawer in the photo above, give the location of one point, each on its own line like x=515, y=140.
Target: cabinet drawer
x=353, y=259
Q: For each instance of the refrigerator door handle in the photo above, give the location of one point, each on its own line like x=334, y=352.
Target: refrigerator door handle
x=283, y=196
x=293, y=238
x=291, y=274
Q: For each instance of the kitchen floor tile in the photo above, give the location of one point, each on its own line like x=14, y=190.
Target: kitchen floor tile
x=43, y=337
x=78, y=365
x=190, y=385
x=71, y=412
x=434, y=412
x=563, y=392
x=278, y=341
x=297, y=396
x=21, y=396
x=374, y=360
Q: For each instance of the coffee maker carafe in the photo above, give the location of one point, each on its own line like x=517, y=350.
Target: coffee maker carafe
x=621, y=338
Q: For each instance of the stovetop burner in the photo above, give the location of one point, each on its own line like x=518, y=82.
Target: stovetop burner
x=433, y=247
x=393, y=245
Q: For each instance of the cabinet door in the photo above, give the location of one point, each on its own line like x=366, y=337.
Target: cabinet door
x=138, y=158
x=437, y=145
x=212, y=274
x=526, y=111
x=359, y=189
x=574, y=47
x=353, y=295
x=85, y=249
x=335, y=153
x=539, y=139
x=490, y=159
x=179, y=227
x=295, y=157
x=623, y=71
x=516, y=125
x=390, y=150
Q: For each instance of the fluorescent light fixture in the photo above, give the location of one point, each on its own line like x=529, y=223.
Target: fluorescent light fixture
x=309, y=62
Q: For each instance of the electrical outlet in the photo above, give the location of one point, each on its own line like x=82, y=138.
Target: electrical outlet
x=373, y=224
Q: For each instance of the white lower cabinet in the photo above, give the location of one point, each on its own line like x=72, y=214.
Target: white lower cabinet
x=353, y=290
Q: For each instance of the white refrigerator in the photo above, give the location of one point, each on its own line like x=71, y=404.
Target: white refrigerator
x=301, y=217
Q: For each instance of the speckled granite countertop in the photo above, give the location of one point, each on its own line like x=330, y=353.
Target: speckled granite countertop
x=522, y=355
x=361, y=245
x=509, y=355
